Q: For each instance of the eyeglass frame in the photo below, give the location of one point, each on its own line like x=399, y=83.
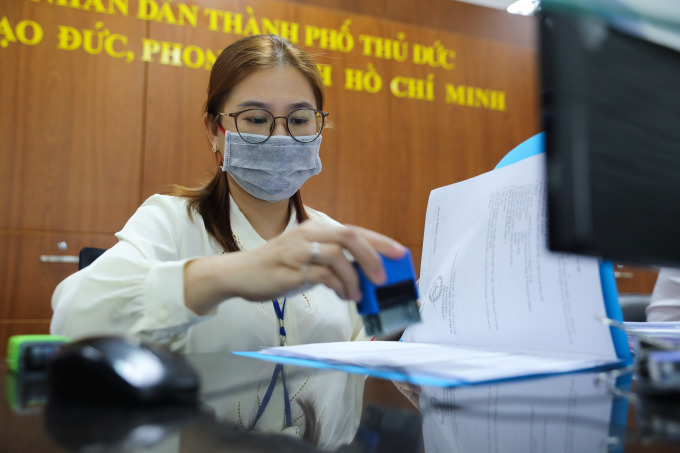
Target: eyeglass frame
x=271, y=131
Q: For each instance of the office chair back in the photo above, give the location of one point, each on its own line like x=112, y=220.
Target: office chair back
x=87, y=256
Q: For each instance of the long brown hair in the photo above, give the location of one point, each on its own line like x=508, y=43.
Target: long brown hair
x=234, y=64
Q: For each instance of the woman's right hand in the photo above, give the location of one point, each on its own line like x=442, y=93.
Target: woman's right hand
x=310, y=254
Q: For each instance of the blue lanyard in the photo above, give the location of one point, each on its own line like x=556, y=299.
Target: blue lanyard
x=268, y=395
x=280, y=311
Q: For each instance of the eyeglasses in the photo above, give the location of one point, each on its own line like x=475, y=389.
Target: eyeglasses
x=257, y=125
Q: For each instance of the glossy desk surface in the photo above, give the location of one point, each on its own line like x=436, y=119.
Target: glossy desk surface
x=337, y=411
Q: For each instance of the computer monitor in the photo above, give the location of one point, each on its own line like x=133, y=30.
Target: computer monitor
x=611, y=113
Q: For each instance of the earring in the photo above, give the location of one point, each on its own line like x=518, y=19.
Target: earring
x=214, y=149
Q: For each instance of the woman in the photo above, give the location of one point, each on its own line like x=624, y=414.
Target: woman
x=240, y=263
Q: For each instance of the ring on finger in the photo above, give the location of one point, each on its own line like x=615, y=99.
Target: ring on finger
x=315, y=253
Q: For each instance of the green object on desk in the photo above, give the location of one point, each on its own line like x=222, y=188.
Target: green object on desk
x=29, y=353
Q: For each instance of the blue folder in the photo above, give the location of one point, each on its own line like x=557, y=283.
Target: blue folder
x=532, y=146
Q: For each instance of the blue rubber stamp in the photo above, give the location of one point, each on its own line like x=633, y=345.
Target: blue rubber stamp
x=391, y=307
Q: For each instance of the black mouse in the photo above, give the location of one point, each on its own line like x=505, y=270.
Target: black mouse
x=121, y=369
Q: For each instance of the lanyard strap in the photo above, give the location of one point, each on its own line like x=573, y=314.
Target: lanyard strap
x=268, y=395
x=280, y=312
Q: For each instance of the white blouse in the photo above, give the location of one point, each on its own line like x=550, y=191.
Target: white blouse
x=665, y=303
x=137, y=288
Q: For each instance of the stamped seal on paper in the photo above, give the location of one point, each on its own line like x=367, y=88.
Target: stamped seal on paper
x=436, y=290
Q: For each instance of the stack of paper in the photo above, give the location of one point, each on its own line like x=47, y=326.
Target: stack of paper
x=666, y=331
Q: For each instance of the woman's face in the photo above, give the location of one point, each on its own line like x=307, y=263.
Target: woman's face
x=279, y=90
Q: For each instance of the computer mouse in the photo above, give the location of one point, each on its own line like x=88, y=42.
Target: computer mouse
x=121, y=369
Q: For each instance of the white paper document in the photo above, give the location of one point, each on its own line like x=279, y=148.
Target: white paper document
x=435, y=363
x=496, y=303
x=488, y=279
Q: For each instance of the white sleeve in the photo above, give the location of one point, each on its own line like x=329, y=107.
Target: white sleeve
x=137, y=286
x=665, y=303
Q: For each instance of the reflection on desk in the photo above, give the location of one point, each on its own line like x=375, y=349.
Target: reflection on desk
x=335, y=411
x=320, y=407
x=558, y=414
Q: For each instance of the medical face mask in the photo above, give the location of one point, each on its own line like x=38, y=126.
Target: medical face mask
x=273, y=170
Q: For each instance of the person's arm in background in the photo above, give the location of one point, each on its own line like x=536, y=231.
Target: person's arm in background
x=665, y=303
